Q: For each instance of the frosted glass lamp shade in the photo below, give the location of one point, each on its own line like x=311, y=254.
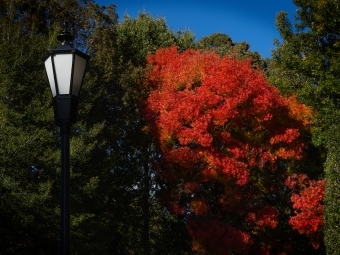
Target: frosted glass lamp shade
x=65, y=70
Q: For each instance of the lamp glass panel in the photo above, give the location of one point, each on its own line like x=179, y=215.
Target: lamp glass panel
x=49, y=71
x=63, y=69
x=78, y=74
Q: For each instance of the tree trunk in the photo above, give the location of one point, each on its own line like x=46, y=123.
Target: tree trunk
x=146, y=212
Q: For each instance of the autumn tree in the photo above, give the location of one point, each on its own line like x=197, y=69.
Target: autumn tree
x=229, y=142
x=306, y=63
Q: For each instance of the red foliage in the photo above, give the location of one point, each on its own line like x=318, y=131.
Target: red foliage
x=307, y=202
x=217, y=237
x=266, y=217
x=222, y=130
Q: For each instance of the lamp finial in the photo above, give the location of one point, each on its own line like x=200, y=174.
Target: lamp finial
x=65, y=37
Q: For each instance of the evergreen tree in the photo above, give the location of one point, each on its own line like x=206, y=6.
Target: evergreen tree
x=223, y=45
x=143, y=226
x=306, y=63
x=114, y=201
x=30, y=147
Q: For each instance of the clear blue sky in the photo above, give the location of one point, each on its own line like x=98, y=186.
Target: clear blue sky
x=252, y=21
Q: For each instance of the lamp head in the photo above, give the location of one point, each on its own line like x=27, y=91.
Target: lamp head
x=65, y=68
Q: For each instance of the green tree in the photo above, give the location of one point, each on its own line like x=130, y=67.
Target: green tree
x=306, y=63
x=114, y=202
x=29, y=139
x=143, y=226
x=223, y=45
x=28, y=176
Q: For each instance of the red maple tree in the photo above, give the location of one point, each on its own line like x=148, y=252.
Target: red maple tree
x=227, y=138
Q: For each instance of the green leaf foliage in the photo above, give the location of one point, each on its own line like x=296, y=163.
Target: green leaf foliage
x=141, y=225
x=306, y=63
x=114, y=200
x=223, y=45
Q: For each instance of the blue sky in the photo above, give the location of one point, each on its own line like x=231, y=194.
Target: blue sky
x=252, y=21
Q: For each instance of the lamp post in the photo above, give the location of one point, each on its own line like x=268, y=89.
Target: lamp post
x=65, y=68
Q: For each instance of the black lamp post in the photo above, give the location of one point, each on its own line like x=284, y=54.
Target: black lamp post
x=65, y=67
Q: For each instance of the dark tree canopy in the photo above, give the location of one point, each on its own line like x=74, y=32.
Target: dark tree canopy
x=117, y=195
x=306, y=63
x=114, y=202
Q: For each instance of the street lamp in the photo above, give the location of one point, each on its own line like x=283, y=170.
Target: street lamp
x=65, y=68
